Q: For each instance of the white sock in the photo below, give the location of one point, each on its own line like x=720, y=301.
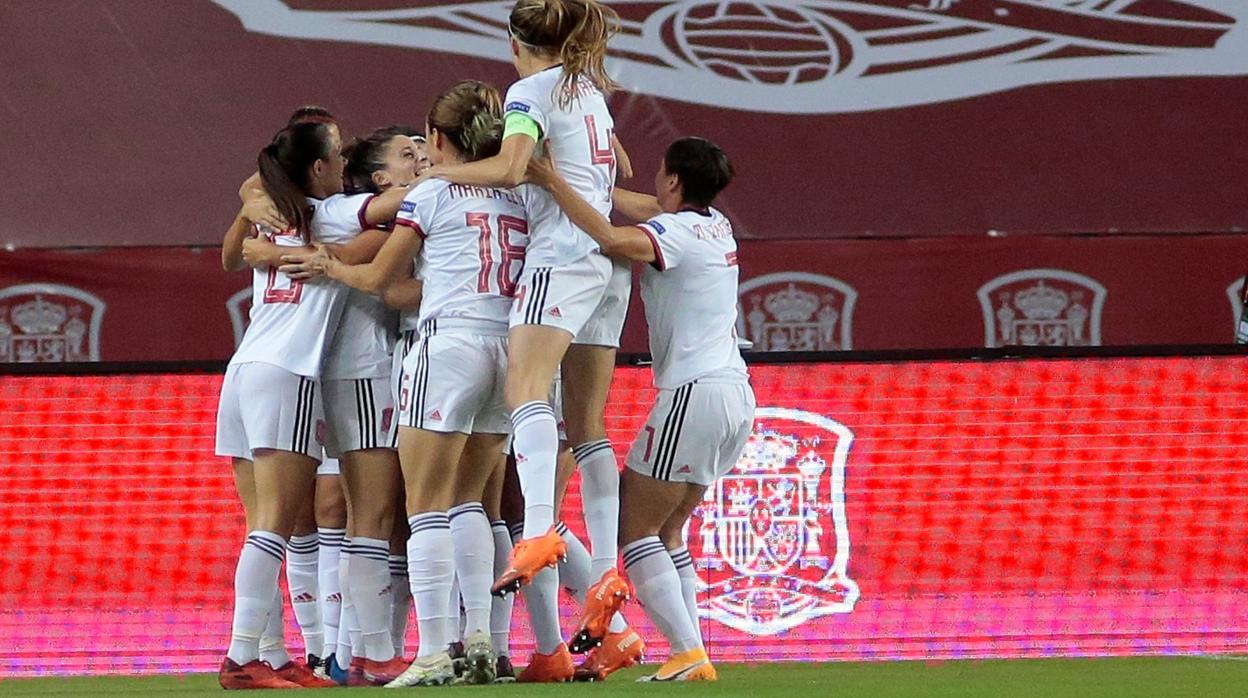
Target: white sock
x=536, y=444
x=273, y=640
x=401, y=604
x=474, y=563
x=683, y=562
x=369, y=578
x=574, y=573
x=255, y=584
x=349, y=643
x=658, y=587
x=301, y=577
x=600, y=501
x=500, y=607
x=541, y=599
x=328, y=551
x=430, y=567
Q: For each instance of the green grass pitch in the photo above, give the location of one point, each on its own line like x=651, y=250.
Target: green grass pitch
x=1139, y=677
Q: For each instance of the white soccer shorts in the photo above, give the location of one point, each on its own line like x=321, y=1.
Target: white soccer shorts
x=566, y=297
x=407, y=340
x=267, y=407
x=359, y=413
x=694, y=433
x=606, y=324
x=454, y=382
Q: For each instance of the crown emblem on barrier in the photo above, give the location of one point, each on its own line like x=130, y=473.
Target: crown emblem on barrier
x=767, y=452
x=792, y=304
x=39, y=316
x=1041, y=302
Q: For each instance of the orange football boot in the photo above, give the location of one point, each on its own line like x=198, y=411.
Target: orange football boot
x=693, y=665
x=617, y=651
x=555, y=667
x=528, y=558
x=253, y=674
x=603, y=600
x=303, y=675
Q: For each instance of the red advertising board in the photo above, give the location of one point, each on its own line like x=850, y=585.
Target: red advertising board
x=881, y=510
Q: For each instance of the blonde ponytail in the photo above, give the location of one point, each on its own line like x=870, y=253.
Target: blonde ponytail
x=577, y=31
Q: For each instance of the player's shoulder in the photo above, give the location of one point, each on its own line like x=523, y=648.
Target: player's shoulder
x=338, y=202
x=534, y=91
x=337, y=217
x=423, y=194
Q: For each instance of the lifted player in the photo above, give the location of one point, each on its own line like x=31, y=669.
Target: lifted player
x=705, y=408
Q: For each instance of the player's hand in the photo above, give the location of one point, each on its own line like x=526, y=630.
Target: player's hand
x=259, y=253
x=541, y=170
x=622, y=160
x=261, y=210
x=304, y=265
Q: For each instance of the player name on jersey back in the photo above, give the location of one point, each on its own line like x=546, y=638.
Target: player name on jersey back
x=474, y=250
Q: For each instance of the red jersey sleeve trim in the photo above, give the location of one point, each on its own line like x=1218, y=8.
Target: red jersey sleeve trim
x=361, y=214
x=659, y=263
x=410, y=224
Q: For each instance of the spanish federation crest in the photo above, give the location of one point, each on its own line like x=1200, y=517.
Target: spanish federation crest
x=49, y=323
x=797, y=311
x=771, y=538
x=239, y=307
x=1042, y=307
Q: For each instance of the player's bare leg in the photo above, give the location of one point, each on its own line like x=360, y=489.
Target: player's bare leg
x=588, y=370
x=533, y=354
x=429, y=460
x=650, y=507
x=281, y=481
x=372, y=477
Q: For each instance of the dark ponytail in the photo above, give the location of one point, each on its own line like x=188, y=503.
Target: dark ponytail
x=285, y=166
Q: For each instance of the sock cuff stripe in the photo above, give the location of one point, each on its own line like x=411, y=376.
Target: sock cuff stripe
x=302, y=546
x=531, y=411
x=467, y=508
x=420, y=526
x=500, y=524
x=368, y=554
x=516, y=529
x=642, y=549
x=266, y=546
x=641, y=554
x=586, y=450
x=685, y=561
x=561, y=528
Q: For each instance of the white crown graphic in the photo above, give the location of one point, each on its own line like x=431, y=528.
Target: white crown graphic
x=39, y=316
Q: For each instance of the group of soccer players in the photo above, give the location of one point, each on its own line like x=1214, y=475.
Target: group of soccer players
x=489, y=232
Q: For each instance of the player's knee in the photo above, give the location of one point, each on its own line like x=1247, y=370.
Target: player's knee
x=331, y=512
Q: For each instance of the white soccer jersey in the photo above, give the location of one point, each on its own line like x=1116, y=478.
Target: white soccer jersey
x=690, y=295
x=292, y=322
x=474, y=249
x=580, y=139
x=364, y=336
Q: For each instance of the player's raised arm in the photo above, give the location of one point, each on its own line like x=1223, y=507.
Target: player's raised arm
x=374, y=277
x=624, y=242
x=232, y=245
x=503, y=170
x=635, y=205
